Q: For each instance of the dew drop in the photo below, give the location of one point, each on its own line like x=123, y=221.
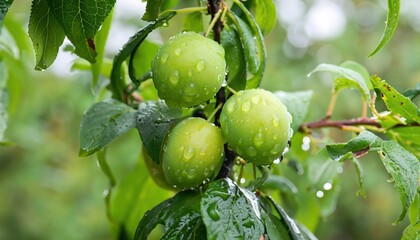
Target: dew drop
x=276, y=121
x=258, y=139
x=192, y=173
x=320, y=194
x=178, y=51
x=327, y=186
x=256, y=99
x=174, y=78
x=275, y=136
x=251, y=151
x=188, y=153
x=201, y=64
x=164, y=58
x=190, y=89
x=246, y=106
x=213, y=212
x=231, y=106
x=206, y=172
x=276, y=149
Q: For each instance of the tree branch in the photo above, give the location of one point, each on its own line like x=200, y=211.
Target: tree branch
x=340, y=124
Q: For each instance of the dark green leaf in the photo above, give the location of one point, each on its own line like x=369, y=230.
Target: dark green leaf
x=103, y=165
x=297, y=104
x=4, y=7
x=231, y=212
x=80, y=20
x=265, y=15
x=413, y=92
x=102, y=123
x=193, y=22
x=235, y=58
x=280, y=183
x=345, y=78
x=152, y=10
x=288, y=222
x=395, y=101
x=180, y=217
x=118, y=84
x=391, y=24
x=403, y=166
x=100, y=40
x=252, y=42
x=46, y=34
x=275, y=228
x=154, y=120
x=408, y=137
x=308, y=235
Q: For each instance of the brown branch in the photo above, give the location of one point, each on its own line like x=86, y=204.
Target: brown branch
x=340, y=124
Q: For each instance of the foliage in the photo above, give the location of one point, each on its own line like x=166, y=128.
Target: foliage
x=242, y=202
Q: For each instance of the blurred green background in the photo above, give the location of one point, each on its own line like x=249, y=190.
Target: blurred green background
x=48, y=192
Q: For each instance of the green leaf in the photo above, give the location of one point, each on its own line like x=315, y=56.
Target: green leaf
x=100, y=39
x=403, y=166
x=103, y=165
x=132, y=197
x=154, y=120
x=252, y=42
x=193, y=22
x=345, y=78
x=180, y=217
x=117, y=83
x=4, y=97
x=143, y=57
x=355, y=66
x=4, y=7
x=408, y=137
x=359, y=171
x=288, y=222
x=412, y=93
x=391, y=24
x=46, y=34
x=275, y=228
x=412, y=232
x=102, y=123
x=297, y=104
x=265, y=15
x=395, y=101
x=152, y=10
x=235, y=58
x=80, y=20
x=414, y=210
x=231, y=212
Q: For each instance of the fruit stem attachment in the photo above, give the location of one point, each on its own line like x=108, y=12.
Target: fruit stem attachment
x=214, y=112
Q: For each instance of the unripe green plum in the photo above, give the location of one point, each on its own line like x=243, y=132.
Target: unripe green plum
x=193, y=153
x=155, y=171
x=256, y=125
x=188, y=69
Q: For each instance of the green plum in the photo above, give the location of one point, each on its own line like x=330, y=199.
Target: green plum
x=188, y=69
x=256, y=125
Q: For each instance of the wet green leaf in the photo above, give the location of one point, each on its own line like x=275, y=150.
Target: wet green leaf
x=395, y=101
x=412, y=232
x=143, y=57
x=359, y=171
x=46, y=34
x=179, y=216
x=297, y=104
x=230, y=211
x=390, y=24
x=4, y=7
x=403, y=166
x=102, y=123
x=345, y=78
x=275, y=228
x=81, y=20
x=235, y=58
x=154, y=120
x=414, y=210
